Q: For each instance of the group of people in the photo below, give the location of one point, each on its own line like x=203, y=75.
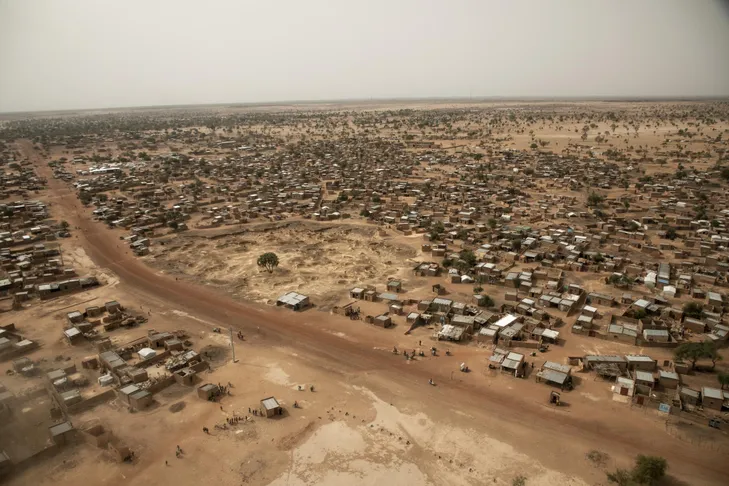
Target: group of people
x=234, y=420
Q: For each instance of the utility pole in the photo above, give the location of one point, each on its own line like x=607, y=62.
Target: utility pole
x=232, y=345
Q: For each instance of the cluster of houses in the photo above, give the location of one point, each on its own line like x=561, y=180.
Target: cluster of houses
x=17, y=177
x=32, y=264
x=639, y=379
x=13, y=344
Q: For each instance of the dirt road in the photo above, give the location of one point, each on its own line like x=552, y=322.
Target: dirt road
x=557, y=439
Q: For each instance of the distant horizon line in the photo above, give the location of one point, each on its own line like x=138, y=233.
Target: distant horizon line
x=468, y=99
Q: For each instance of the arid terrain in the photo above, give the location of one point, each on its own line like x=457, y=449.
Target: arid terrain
x=170, y=210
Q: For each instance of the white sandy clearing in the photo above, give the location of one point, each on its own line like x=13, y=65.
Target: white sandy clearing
x=276, y=375
x=338, y=454
x=378, y=453
x=490, y=458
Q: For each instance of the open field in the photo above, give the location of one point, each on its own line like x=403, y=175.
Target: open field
x=170, y=210
x=317, y=259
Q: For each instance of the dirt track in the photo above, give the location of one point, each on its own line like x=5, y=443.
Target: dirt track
x=513, y=416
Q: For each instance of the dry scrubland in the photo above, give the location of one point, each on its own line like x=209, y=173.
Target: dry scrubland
x=315, y=260
x=619, y=211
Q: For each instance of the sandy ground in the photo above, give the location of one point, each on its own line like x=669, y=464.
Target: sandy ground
x=315, y=259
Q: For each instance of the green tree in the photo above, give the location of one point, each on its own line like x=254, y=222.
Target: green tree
x=712, y=353
x=594, y=199
x=649, y=470
x=492, y=223
x=723, y=379
x=488, y=301
x=621, y=477
x=693, y=309
x=691, y=352
x=269, y=261
x=437, y=230
x=671, y=233
x=469, y=257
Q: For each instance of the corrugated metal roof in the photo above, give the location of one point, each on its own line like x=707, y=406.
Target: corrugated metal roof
x=712, y=393
x=270, y=403
x=292, y=298
x=554, y=376
x=505, y=321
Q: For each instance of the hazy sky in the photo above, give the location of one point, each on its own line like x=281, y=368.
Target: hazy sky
x=68, y=54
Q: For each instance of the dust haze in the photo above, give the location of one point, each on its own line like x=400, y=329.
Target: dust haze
x=85, y=54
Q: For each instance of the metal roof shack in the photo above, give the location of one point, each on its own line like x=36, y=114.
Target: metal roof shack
x=551, y=365
x=506, y=320
x=293, y=300
x=450, y=332
x=552, y=376
x=60, y=432
x=271, y=407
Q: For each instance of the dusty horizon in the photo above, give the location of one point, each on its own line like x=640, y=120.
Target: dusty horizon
x=83, y=55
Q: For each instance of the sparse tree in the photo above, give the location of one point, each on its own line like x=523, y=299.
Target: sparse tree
x=693, y=309
x=712, y=353
x=269, y=261
x=723, y=379
x=649, y=470
x=519, y=481
x=691, y=352
x=594, y=199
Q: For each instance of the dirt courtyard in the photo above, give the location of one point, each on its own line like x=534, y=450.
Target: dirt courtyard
x=316, y=259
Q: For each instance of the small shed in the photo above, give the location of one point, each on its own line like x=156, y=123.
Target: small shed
x=113, y=307
x=712, y=398
x=394, y=286
x=271, y=407
x=127, y=391
x=293, y=301
x=73, y=335
x=383, y=321
x=140, y=400
x=146, y=353
x=208, y=391
x=62, y=433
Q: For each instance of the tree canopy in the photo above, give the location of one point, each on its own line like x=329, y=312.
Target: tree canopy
x=693, y=309
x=648, y=471
x=594, y=199
x=693, y=352
x=723, y=379
x=269, y=261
